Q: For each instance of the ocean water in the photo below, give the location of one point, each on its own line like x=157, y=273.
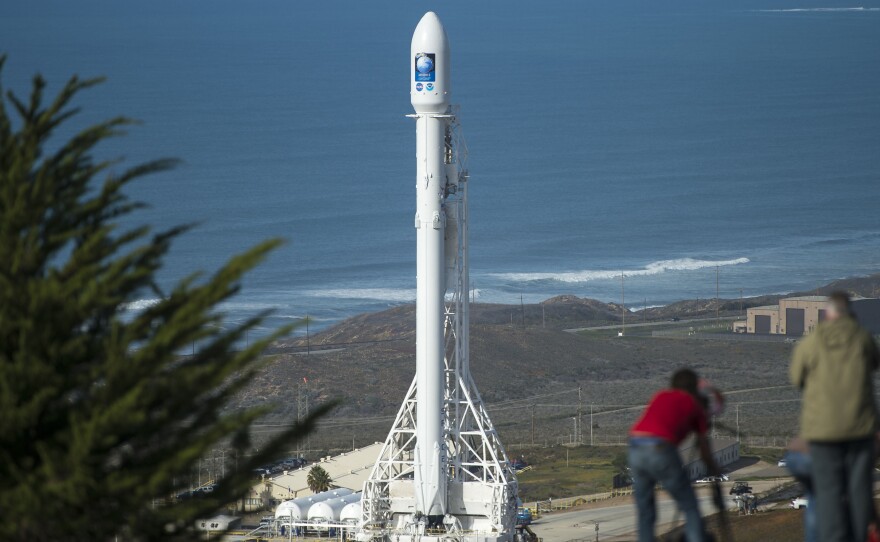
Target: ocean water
x=658, y=140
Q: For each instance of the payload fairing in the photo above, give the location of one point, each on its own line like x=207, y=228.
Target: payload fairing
x=442, y=473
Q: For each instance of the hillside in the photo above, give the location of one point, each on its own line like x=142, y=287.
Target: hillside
x=530, y=370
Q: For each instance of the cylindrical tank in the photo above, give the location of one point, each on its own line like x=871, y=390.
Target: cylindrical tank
x=297, y=509
x=351, y=513
x=329, y=511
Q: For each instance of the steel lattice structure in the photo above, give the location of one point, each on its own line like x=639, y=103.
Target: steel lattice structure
x=481, y=485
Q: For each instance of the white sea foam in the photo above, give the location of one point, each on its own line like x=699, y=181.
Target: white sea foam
x=247, y=306
x=653, y=268
x=140, y=304
x=378, y=294
x=815, y=10
x=638, y=308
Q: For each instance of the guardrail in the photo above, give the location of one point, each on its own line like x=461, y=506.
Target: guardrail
x=551, y=505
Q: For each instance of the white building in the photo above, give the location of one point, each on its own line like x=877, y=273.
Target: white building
x=349, y=470
x=724, y=450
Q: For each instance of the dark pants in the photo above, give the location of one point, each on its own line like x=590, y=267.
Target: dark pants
x=842, y=487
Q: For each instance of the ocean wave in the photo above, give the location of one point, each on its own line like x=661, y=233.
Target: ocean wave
x=815, y=10
x=377, y=294
x=311, y=318
x=140, y=304
x=247, y=306
x=653, y=268
x=637, y=308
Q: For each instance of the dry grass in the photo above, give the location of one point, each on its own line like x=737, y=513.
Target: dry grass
x=562, y=472
x=783, y=525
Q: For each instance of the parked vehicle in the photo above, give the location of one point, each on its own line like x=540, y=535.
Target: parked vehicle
x=781, y=463
x=184, y=495
x=523, y=516
x=711, y=479
x=740, y=488
x=800, y=502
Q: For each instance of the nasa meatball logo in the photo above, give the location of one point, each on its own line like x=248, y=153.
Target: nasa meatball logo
x=425, y=67
x=419, y=86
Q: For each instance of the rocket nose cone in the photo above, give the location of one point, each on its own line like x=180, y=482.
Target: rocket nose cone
x=430, y=31
x=429, y=20
x=430, y=61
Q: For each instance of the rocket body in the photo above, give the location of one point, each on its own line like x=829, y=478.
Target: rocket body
x=429, y=92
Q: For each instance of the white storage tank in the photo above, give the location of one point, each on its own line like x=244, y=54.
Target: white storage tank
x=329, y=511
x=299, y=507
x=351, y=513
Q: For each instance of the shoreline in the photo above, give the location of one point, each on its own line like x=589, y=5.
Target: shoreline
x=559, y=312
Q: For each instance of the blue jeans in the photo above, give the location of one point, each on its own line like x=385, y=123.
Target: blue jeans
x=653, y=463
x=800, y=465
x=842, y=485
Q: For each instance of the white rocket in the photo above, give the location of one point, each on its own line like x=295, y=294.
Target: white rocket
x=442, y=474
x=429, y=93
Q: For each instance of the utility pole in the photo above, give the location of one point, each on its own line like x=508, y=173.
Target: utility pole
x=533, y=424
x=740, y=301
x=591, y=423
x=579, y=416
x=737, y=422
x=717, y=307
x=302, y=411
x=543, y=316
x=308, y=338
x=622, y=304
x=522, y=309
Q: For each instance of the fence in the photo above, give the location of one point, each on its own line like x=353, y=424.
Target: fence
x=621, y=439
x=765, y=442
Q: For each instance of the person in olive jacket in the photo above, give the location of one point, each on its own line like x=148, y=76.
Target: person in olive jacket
x=833, y=367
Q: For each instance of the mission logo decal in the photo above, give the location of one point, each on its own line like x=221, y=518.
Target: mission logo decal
x=425, y=68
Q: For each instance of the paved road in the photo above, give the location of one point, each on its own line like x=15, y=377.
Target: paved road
x=614, y=521
x=650, y=324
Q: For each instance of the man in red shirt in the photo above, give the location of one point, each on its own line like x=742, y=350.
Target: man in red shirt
x=668, y=419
